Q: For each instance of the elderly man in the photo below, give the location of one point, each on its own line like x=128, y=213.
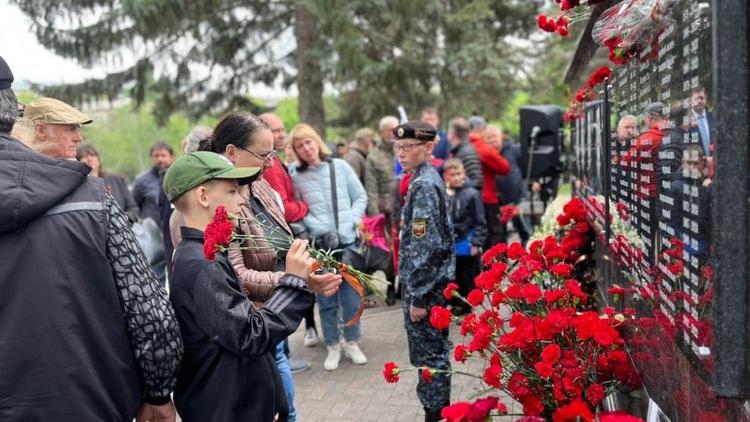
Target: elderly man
x=87, y=331
x=379, y=169
x=56, y=126
x=358, y=150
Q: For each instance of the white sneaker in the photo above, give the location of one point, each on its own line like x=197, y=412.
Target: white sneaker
x=334, y=356
x=352, y=351
x=311, y=337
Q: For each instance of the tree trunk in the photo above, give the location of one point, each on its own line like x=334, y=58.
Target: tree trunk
x=309, y=77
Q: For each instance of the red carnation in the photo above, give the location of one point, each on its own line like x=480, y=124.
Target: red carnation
x=390, y=372
x=218, y=234
x=455, y=412
x=493, y=254
x=532, y=293
x=427, y=375
x=595, y=394
x=551, y=353
x=475, y=297
x=480, y=409
x=561, y=269
x=532, y=406
x=450, y=290
x=520, y=275
x=575, y=411
x=492, y=376
x=460, y=353
x=515, y=251
x=544, y=369
x=440, y=317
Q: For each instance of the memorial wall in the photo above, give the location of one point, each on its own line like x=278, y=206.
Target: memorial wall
x=645, y=162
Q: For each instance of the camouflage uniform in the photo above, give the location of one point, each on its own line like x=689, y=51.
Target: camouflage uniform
x=427, y=263
x=378, y=179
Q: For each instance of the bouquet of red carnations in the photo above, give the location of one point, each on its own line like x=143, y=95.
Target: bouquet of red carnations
x=219, y=234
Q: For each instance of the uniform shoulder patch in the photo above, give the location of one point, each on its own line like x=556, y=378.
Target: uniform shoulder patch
x=418, y=228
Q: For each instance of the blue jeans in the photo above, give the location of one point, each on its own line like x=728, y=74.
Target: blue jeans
x=337, y=310
x=286, y=377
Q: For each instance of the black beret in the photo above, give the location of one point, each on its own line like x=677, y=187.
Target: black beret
x=415, y=129
x=6, y=76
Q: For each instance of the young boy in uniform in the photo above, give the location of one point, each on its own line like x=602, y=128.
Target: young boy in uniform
x=228, y=371
x=426, y=261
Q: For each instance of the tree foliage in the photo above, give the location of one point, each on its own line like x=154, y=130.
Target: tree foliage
x=455, y=54
x=202, y=56
x=196, y=56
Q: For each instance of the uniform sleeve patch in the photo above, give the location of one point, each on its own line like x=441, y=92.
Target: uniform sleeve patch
x=418, y=228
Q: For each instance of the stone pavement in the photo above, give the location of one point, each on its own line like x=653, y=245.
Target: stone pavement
x=360, y=393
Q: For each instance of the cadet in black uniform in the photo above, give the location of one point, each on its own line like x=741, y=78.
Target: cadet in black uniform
x=426, y=261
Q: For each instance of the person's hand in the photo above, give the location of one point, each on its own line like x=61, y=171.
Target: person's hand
x=475, y=250
x=417, y=314
x=326, y=284
x=536, y=187
x=298, y=261
x=154, y=413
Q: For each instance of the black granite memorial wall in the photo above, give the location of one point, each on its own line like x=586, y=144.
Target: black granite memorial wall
x=667, y=192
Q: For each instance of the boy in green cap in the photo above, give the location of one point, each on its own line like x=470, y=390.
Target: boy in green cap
x=228, y=371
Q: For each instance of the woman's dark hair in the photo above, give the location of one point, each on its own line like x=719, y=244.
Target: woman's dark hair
x=84, y=150
x=236, y=128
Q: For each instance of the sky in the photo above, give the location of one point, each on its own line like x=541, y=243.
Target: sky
x=28, y=60
x=31, y=62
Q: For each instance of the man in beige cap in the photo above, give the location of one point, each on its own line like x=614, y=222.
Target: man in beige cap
x=57, y=127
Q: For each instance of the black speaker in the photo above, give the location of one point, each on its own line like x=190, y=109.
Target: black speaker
x=541, y=126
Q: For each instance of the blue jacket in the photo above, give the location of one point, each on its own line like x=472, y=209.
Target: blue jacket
x=313, y=185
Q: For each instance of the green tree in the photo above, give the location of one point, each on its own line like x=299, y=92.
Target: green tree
x=199, y=56
x=452, y=54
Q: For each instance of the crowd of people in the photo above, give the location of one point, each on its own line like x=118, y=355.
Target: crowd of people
x=102, y=339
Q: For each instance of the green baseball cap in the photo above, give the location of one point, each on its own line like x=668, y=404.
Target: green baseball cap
x=195, y=168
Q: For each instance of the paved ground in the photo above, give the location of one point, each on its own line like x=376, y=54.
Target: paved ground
x=359, y=393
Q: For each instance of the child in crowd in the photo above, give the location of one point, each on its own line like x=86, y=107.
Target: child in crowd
x=228, y=371
x=469, y=228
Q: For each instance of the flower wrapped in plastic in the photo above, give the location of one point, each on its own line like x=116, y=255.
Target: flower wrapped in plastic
x=631, y=28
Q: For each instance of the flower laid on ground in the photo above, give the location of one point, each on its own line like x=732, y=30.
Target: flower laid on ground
x=391, y=372
x=219, y=234
x=534, y=331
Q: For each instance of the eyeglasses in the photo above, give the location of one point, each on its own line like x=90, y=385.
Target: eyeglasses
x=265, y=157
x=406, y=147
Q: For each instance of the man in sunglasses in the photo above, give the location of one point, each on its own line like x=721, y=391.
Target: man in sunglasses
x=426, y=258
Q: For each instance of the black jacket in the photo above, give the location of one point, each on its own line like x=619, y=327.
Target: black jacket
x=229, y=370
x=510, y=187
x=65, y=341
x=467, y=211
x=469, y=157
x=146, y=191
